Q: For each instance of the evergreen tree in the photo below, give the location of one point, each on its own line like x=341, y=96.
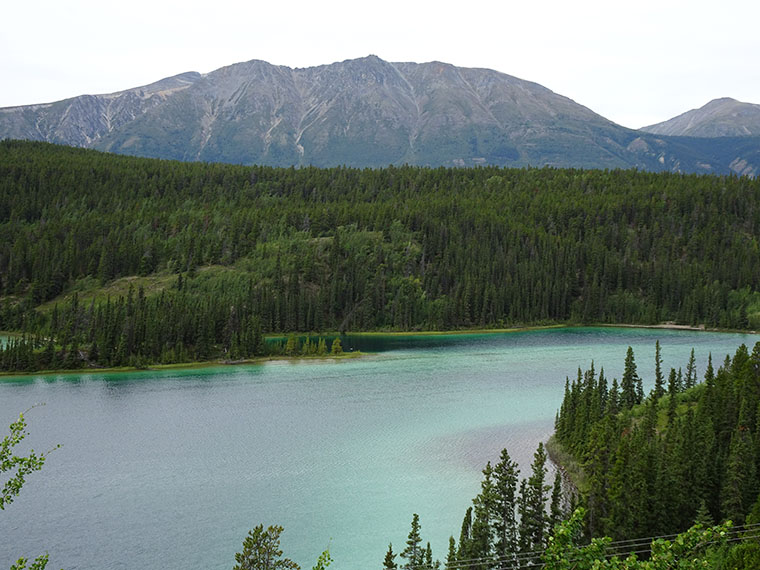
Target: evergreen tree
x=533, y=504
x=629, y=385
x=389, y=561
x=659, y=381
x=482, y=543
x=505, y=477
x=556, y=514
x=465, y=537
x=672, y=396
x=414, y=554
x=451, y=557
x=429, y=563
x=691, y=373
x=261, y=551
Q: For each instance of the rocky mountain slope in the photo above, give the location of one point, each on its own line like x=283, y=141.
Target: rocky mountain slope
x=719, y=118
x=365, y=112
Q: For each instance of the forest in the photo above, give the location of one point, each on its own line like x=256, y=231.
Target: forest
x=110, y=260
x=669, y=479
x=119, y=261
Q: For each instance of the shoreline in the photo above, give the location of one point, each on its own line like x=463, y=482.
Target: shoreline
x=183, y=365
x=674, y=326
x=346, y=355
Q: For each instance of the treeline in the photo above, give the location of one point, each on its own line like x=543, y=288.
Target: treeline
x=651, y=465
x=402, y=248
x=654, y=465
x=173, y=326
x=507, y=522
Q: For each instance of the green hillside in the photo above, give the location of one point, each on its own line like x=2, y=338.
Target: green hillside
x=215, y=251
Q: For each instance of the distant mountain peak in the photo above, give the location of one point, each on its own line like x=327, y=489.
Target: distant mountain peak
x=363, y=112
x=723, y=117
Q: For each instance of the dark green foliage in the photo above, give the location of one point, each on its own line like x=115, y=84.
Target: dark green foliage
x=414, y=554
x=657, y=467
x=505, y=475
x=534, y=522
x=659, y=380
x=261, y=551
x=259, y=250
x=389, y=563
x=630, y=386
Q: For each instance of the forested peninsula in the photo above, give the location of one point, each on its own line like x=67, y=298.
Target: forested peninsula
x=111, y=260
x=638, y=469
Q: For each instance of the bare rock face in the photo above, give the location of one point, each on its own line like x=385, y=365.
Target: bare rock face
x=365, y=112
x=719, y=118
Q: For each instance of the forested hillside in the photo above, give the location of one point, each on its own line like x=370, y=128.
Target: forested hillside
x=655, y=464
x=218, y=254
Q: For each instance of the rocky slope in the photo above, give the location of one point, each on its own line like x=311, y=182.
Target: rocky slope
x=719, y=118
x=365, y=112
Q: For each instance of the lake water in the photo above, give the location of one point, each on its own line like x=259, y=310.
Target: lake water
x=172, y=469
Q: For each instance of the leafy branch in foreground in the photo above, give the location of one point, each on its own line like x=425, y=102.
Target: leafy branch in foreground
x=685, y=551
x=18, y=467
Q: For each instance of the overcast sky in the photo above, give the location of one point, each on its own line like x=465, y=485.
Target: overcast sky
x=636, y=63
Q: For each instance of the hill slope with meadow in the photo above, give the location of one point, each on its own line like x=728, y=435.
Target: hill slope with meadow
x=216, y=252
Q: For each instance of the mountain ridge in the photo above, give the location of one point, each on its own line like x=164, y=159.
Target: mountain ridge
x=718, y=118
x=364, y=112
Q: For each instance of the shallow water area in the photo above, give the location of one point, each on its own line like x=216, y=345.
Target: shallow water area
x=172, y=468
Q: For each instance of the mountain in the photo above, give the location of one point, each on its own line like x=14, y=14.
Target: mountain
x=365, y=112
x=719, y=118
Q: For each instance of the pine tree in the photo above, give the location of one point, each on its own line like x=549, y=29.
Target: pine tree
x=337, y=348
x=533, y=515
x=389, y=561
x=413, y=553
x=629, y=385
x=556, y=513
x=613, y=399
x=691, y=372
x=659, y=382
x=481, y=545
x=451, y=557
x=672, y=396
x=505, y=476
x=739, y=488
x=261, y=551
x=465, y=537
x=429, y=563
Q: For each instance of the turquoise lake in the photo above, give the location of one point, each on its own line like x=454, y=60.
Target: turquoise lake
x=171, y=469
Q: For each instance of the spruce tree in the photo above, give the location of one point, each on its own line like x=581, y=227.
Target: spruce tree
x=482, y=532
x=505, y=477
x=465, y=537
x=389, y=562
x=691, y=372
x=451, y=557
x=672, y=396
x=556, y=513
x=659, y=382
x=413, y=553
x=629, y=385
x=261, y=550
x=533, y=515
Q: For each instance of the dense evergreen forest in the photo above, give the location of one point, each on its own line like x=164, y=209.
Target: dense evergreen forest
x=644, y=468
x=176, y=261
x=687, y=452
